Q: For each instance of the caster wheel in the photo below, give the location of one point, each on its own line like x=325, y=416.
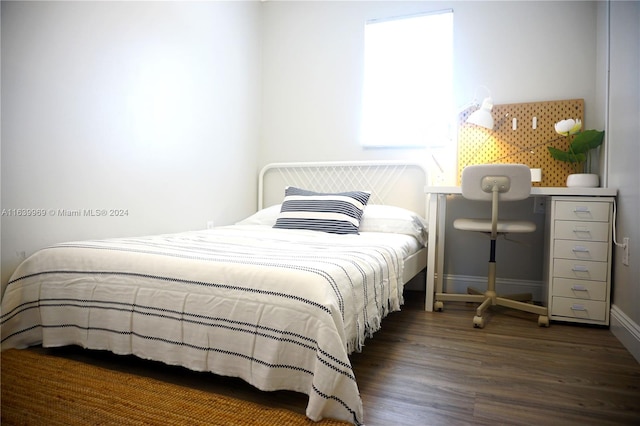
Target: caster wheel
x=438, y=306
x=478, y=322
x=543, y=321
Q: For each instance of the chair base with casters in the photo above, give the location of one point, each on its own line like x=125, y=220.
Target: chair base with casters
x=495, y=183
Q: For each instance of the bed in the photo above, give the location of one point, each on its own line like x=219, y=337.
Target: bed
x=277, y=304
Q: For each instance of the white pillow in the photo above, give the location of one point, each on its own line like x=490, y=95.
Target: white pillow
x=376, y=218
x=392, y=219
x=266, y=216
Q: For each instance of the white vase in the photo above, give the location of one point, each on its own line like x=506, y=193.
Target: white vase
x=583, y=180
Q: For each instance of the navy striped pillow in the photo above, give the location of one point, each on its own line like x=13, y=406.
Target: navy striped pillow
x=337, y=213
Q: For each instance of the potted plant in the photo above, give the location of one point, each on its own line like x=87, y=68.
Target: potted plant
x=578, y=152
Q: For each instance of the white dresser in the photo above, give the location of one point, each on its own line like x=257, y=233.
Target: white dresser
x=578, y=250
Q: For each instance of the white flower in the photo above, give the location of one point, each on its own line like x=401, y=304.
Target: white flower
x=568, y=127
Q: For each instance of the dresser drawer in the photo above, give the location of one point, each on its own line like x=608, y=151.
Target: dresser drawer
x=585, y=210
x=580, y=289
x=583, y=250
x=582, y=309
x=580, y=230
x=580, y=270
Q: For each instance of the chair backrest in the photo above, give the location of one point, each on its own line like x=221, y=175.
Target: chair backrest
x=514, y=181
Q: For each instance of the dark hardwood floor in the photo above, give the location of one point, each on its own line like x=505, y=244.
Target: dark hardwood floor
x=436, y=369
x=427, y=368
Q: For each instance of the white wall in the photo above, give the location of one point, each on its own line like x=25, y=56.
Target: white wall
x=144, y=106
x=624, y=156
x=313, y=65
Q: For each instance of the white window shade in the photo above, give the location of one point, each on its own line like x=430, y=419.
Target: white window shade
x=407, y=94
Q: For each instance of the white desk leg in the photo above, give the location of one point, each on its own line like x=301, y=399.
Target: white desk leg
x=437, y=206
x=432, y=217
x=442, y=216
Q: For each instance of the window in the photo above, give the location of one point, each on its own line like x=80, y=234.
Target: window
x=408, y=80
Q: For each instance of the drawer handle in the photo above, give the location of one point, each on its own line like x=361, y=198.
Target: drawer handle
x=576, y=307
x=580, y=249
x=581, y=229
x=581, y=209
x=580, y=268
x=578, y=288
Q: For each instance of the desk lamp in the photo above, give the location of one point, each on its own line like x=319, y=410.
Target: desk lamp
x=482, y=117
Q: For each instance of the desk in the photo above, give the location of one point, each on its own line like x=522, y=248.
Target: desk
x=436, y=214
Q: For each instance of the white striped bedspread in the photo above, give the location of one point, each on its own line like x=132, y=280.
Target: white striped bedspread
x=281, y=309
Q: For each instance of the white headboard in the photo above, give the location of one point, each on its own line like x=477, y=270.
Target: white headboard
x=390, y=182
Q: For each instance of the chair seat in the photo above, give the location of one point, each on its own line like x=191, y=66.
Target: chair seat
x=504, y=226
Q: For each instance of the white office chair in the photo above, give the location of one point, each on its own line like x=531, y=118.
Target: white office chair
x=495, y=183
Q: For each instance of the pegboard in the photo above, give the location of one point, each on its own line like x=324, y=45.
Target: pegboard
x=524, y=145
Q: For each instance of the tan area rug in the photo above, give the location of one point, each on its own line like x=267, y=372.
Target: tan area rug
x=40, y=389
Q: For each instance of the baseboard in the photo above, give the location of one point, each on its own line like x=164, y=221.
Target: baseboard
x=625, y=330
x=459, y=284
